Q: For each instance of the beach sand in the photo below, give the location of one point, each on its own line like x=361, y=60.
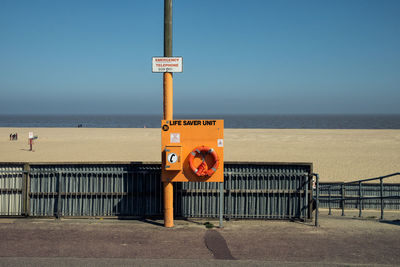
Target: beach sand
x=337, y=155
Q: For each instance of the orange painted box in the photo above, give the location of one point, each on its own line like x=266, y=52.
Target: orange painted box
x=192, y=150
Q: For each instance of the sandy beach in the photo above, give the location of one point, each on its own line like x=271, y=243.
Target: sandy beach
x=337, y=155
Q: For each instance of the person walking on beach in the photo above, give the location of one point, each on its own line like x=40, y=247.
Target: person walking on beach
x=30, y=144
x=31, y=137
x=11, y=136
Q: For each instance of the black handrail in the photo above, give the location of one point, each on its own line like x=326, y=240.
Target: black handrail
x=360, y=197
x=368, y=179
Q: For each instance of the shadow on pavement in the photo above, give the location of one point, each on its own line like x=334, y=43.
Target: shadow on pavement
x=392, y=222
x=151, y=222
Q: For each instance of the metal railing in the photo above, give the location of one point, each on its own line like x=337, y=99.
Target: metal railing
x=360, y=197
x=250, y=190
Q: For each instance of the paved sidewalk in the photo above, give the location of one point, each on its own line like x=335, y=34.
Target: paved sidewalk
x=95, y=242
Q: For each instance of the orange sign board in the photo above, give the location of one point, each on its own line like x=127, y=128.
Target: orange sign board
x=192, y=150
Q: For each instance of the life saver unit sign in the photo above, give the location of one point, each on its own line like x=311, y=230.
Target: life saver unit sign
x=192, y=150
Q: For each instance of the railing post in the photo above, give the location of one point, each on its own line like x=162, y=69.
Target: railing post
x=359, y=200
x=25, y=190
x=305, y=198
x=329, y=202
x=221, y=204
x=317, y=201
x=229, y=188
x=382, y=201
x=343, y=192
x=59, y=196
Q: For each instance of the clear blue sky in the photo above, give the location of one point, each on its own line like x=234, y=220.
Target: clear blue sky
x=268, y=57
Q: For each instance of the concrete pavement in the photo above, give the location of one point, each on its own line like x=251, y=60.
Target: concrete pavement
x=86, y=242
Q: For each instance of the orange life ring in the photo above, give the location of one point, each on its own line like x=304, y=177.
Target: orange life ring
x=202, y=170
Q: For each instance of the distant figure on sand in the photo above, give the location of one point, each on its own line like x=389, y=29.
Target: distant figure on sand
x=13, y=136
x=30, y=144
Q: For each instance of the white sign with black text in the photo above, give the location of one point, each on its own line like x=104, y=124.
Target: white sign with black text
x=167, y=64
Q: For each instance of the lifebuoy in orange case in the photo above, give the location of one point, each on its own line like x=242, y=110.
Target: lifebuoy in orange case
x=202, y=170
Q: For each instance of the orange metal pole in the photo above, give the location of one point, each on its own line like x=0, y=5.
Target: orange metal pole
x=168, y=188
x=168, y=109
x=168, y=204
x=168, y=96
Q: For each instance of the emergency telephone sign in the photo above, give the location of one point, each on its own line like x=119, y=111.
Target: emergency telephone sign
x=167, y=64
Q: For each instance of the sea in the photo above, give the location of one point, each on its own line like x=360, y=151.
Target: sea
x=288, y=121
